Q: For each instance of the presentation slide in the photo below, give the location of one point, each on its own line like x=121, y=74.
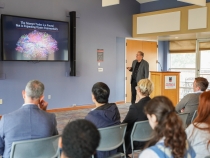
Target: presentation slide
x=34, y=39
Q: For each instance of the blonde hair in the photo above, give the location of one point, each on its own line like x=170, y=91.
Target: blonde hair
x=145, y=86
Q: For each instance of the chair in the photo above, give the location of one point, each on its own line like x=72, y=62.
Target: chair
x=141, y=131
x=183, y=117
x=36, y=148
x=111, y=138
x=194, y=116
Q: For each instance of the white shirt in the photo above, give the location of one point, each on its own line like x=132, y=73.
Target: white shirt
x=198, y=139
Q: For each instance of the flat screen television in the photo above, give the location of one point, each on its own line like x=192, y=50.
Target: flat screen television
x=32, y=39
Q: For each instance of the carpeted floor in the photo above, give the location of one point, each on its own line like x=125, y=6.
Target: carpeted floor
x=64, y=117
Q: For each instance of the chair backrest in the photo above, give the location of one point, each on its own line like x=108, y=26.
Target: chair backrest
x=111, y=137
x=194, y=116
x=36, y=148
x=183, y=117
x=141, y=131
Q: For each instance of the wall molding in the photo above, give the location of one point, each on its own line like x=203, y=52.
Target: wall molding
x=183, y=21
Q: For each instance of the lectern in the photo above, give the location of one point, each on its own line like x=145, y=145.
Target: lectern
x=166, y=84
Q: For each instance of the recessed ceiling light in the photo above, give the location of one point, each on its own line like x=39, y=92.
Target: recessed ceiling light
x=176, y=37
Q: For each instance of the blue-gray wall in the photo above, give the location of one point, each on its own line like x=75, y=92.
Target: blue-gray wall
x=97, y=28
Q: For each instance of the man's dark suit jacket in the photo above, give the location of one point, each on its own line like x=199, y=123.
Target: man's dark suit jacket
x=135, y=113
x=28, y=122
x=143, y=70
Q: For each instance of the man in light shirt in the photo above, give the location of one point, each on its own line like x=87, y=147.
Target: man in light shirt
x=189, y=103
x=31, y=121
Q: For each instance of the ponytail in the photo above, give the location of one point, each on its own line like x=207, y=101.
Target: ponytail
x=169, y=126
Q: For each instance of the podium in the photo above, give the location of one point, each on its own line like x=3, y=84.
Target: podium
x=166, y=84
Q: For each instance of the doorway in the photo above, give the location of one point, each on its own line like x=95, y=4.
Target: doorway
x=149, y=48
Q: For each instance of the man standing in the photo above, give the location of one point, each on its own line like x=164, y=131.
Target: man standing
x=190, y=102
x=29, y=122
x=140, y=70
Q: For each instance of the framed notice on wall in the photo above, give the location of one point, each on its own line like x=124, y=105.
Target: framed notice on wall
x=170, y=82
x=100, y=55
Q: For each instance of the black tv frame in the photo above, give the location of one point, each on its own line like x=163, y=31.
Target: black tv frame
x=2, y=35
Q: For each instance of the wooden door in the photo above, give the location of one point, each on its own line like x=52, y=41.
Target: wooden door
x=150, y=55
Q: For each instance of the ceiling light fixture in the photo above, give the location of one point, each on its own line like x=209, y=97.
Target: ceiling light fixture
x=145, y=1
x=106, y=3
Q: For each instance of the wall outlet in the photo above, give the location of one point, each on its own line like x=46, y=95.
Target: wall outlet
x=74, y=105
x=49, y=96
x=1, y=101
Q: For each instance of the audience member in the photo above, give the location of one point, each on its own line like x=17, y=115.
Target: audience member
x=169, y=136
x=28, y=122
x=80, y=139
x=105, y=114
x=136, y=111
x=189, y=103
x=198, y=133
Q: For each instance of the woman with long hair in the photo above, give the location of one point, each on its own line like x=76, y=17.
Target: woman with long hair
x=198, y=133
x=169, y=140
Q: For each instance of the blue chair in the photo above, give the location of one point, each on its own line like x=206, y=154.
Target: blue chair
x=36, y=148
x=194, y=116
x=141, y=131
x=111, y=138
x=183, y=117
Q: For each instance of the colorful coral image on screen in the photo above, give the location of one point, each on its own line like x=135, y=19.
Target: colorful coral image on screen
x=34, y=39
x=36, y=45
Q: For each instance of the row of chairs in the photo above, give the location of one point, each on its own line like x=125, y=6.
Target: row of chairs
x=111, y=138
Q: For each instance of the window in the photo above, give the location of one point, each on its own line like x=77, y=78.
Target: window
x=186, y=64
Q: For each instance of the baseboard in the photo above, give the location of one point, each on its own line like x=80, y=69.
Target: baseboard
x=78, y=107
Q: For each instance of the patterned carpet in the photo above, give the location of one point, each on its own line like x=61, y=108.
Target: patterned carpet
x=64, y=117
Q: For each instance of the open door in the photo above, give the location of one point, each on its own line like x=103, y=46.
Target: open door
x=150, y=55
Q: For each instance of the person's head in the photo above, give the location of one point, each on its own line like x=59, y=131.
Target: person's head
x=144, y=87
x=139, y=55
x=100, y=93
x=203, y=113
x=33, y=92
x=200, y=84
x=166, y=124
x=80, y=139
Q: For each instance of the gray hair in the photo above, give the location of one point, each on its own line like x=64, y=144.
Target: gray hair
x=34, y=89
x=141, y=53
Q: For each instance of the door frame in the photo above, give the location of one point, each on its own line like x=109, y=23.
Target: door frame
x=138, y=39
x=198, y=55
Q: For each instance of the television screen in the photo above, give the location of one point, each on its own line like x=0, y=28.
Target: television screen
x=26, y=39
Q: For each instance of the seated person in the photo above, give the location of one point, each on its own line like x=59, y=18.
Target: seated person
x=189, y=103
x=29, y=122
x=105, y=114
x=169, y=139
x=198, y=133
x=136, y=112
x=80, y=139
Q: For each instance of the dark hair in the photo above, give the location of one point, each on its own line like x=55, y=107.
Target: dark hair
x=101, y=92
x=202, y=83
x=168, y=125
x=203, y=113
x=80, y=139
